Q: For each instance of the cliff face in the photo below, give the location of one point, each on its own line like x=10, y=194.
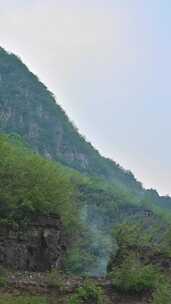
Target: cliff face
x=39, y=247
x=29, y=109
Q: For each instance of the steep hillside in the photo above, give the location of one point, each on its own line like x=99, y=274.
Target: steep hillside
x=31, y=185
x=33, y=189
x=68, y=211
x=39, y=216
x=29, y=109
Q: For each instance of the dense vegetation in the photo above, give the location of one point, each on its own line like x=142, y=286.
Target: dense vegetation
x=140, y=264
x=89, y=208
x=88, y=293
x=31, y=185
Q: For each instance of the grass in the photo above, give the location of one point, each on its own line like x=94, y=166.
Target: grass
x=9, y=299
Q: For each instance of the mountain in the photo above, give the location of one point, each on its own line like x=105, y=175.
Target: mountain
x=30, y=110
x=64, y=207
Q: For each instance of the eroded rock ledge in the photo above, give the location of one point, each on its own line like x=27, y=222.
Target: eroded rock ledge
x=39, y=247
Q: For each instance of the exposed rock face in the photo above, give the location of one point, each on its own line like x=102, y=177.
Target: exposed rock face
x=38, y=248
x=27, y=108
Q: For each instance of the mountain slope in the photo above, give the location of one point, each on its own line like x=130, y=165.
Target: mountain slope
x=31, y=183
x=29, y=109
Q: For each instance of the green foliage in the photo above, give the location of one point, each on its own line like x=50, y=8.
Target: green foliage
x=162, y=293
x=133, y=277
x=135, y=234
x=31, y=185
x=3, y=277
x=165, y=244
x=7, y=299
x=89, y=293
x=155, y=236
x=3, y=281
x=132, y=270
x=55, y=279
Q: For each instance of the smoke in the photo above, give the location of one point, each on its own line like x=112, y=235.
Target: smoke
x=101, y=244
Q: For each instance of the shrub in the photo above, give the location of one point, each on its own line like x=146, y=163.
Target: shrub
x=55, y=279
x=89, y=293
x=3, y=277
x=132, y=277
x=162, y=294
x=3, y=281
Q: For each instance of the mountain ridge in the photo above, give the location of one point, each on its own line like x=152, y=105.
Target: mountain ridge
x=29, y=109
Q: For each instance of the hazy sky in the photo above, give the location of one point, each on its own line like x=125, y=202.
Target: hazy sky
x=109, y=64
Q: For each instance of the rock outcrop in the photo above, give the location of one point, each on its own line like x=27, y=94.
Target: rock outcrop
x=39, y=247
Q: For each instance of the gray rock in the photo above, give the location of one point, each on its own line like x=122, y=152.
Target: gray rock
x=40, y=247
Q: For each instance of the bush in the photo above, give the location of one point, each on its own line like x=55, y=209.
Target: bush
x=89, y=293
x=3, y=281
x=132, y=277
x=3, y=277
x=162, y=294
x=55, y=279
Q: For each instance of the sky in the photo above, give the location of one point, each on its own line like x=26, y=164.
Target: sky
x=108, y=62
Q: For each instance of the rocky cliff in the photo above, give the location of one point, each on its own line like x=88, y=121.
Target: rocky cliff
x=30, y=110
x=39, y=246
